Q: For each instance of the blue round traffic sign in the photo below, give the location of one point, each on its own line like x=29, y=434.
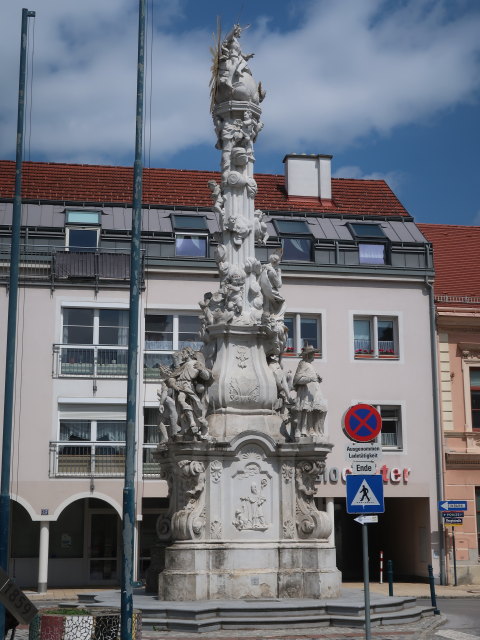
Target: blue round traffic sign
x=362, y=423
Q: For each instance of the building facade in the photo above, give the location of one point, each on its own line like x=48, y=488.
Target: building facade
x=356, y=273
x=457, y=299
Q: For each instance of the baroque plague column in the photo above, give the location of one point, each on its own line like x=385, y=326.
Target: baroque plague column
x=241, y=444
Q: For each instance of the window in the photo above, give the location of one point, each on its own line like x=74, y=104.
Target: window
x=189, y=245
x=151, y=439
x=87, y=452
x=375, y=337
x=82, y=230
x=164, y=334
x=102, y=339
x=475, y=397
x=371, y=253
x=303, y=330
x=366, y=230
x=391, y=434
x=477, y=507
x=296, y=247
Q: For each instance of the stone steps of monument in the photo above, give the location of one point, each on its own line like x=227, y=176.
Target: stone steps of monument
x=215, y=618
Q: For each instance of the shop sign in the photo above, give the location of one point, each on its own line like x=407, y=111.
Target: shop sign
x=395, y=475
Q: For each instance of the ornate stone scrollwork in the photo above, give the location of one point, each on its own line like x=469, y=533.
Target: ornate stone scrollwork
x=216, y=470
x=311, y=523
x=287, y=472
x=216, y=530
x=189, y=523
x=288, y=529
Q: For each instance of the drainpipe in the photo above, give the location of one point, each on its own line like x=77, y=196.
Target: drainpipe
x=437, y=429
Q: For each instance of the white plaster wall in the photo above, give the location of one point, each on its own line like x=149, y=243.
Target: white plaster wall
x=407, y=382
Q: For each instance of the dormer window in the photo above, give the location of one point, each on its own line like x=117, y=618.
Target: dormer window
x=82, y=230
x=296, y=238
x=371, y=249
x=190, y=245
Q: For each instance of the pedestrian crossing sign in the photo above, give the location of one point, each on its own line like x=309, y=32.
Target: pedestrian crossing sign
x=365, y=494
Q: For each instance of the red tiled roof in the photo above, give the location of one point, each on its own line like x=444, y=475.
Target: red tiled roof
x=179, y=187
x=456, y=251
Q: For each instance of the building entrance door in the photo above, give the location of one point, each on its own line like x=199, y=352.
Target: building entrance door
x=103, y=561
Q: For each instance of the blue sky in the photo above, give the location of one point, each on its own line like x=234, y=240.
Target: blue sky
x=390, y=88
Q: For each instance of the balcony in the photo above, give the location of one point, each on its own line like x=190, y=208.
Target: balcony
x=89, y=361
x=96, y=459
x=57, y=265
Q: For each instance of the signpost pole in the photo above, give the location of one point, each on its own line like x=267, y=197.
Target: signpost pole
x=366, y=580
x=454, y=558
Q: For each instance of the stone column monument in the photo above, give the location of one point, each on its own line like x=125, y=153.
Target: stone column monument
x=241, y=444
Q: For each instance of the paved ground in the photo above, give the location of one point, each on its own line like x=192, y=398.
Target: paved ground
x=426, y=629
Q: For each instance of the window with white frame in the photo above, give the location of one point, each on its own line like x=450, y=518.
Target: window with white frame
x=391, y=434
x=94, y=342
x=303, y=330
x=89, y=446
x=166, y=333
x=82, y=230
x=375, y=337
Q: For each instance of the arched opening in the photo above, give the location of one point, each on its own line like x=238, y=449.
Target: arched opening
x=84, y=545
x=24, y=546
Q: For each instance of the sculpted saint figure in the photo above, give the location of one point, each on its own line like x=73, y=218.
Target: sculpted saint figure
x=188, y=381
x=310, y=406
x=270, y=282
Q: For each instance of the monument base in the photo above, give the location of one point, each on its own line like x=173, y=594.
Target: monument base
x=234, y=571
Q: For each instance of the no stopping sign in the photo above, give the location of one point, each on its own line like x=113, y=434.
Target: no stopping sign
x=362, y=423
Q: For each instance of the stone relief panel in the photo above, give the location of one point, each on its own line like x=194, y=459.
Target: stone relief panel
x=216, y=469
x=188, y=523
x=252, y=499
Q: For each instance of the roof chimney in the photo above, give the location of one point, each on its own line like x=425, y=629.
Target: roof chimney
x=308, y=176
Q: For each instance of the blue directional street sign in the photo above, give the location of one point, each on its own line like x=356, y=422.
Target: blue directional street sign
x=452, y=505
x=365, y=494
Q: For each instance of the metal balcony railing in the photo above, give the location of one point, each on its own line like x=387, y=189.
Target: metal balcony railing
x=96, y=459
x=57, y=265
x=89, y=361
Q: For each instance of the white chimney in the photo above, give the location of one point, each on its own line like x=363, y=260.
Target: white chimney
x=308, y=176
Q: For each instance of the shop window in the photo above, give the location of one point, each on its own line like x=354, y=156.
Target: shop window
x=66, y=534
x=165, y=334
x=475, y=397
x=375, y=337
x=296, y=239
x=303, y=330
x=82, y=230
x=194, y=244
x=100, y=337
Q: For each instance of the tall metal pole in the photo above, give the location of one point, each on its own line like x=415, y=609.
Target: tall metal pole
x=366, y=580
x=128, y=530
x=12, y=315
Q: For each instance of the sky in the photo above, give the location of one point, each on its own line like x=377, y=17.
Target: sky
x=390, y=88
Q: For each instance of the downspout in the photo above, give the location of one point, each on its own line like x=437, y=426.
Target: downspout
x=437, y=429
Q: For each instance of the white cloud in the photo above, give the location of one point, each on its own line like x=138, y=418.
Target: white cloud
x=394, y=179
x=476, y=218
x=350, y=69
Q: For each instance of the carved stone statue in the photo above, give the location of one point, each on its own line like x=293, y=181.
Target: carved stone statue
x=310, y=406
x=260, y=227
x=232, y=78
x=270, y=283
x=166, y=412
x=188, y=382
